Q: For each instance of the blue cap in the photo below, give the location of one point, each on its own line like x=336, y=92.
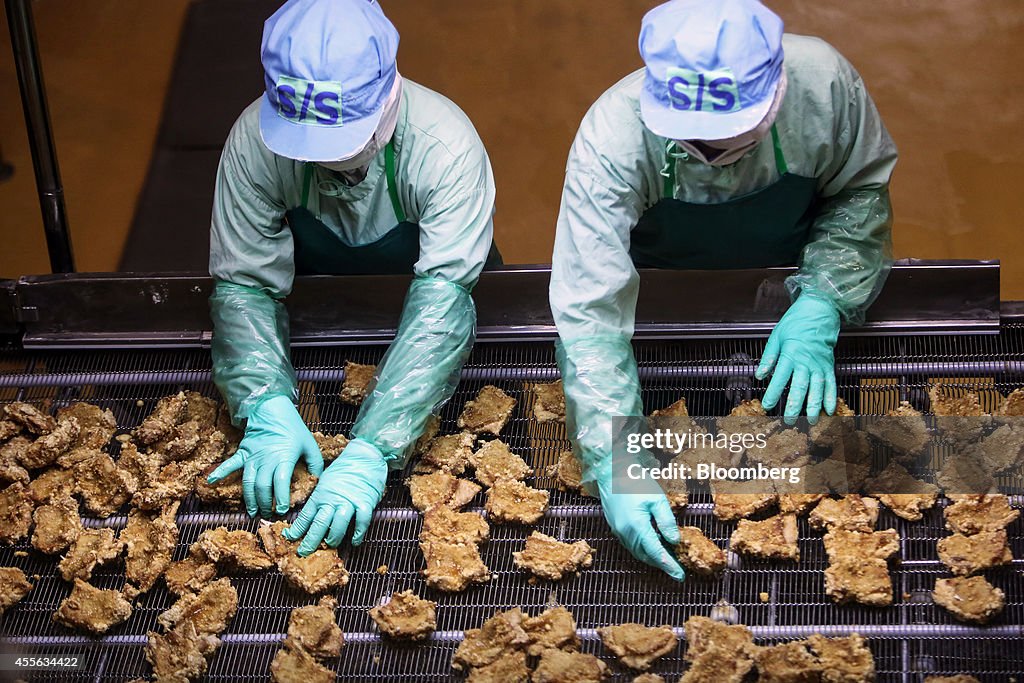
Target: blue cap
x=713, y=67
x=329, y=67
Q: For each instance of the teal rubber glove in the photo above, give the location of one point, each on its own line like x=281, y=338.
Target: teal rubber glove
x=629, y=516
x=800, y=351
x=350, y=488
x=275, y=438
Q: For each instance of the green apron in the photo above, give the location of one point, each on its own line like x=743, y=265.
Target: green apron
x=764, y=228
x=319, y=251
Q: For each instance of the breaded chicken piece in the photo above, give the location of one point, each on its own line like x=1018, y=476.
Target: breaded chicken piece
x=96, y=425
x=513, y=501
x=441, y=524
x=331, y=445
x=966, y=555
x=227, y=491
x=102, y=485
x=552, y=628
x=202, y=409
x=295, y=665
x=91, y=609
x=813, y=486
x=149, y=539
x=51, y=484
x=57, y=525
x=322, y=570
x=972, y=514
x=549, y=402
x=169, y=412
x=452, y=567
x=501, y=634
x=863, y=580
x=787, y=663
x=15, y=513
x=494, y=461
x=47, y=448
x=177, y=657
x=182, y=440
x=749, y=417
x=92, y=548
x=314, y=629
x=8, y=428
x=450, y=453
x=441, y=488
x=966, y=474
x=568, y=473
x=852, y=512
x=636, y=645
x=190, y=575
x=14, y=586
x=509, y=668
x=176, y=479
x=206, y=613
x=11, y=454
x=677, y=493
x=1003, y=450
x=902, y=429
x=488, y=412
x=703, y=634
x=842, y=544
x=698, y=553
x=784, y=448
x=902, y=493
x=430, y=430
x=774, y=538
x=843, y=660
x=406, y=615
x=831, y=430
x=235, y=551
x=356, y=383
x=971, y=599
x=559, y=666
x=959, y=419
x=139, y=468
x=551, y=559
x=30, y=418
x=737, y=499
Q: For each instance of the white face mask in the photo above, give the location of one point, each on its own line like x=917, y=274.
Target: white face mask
x=356, y=166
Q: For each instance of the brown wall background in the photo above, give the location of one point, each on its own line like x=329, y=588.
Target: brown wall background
x=946, y=74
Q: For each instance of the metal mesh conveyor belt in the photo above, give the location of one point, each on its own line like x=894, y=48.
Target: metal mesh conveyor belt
x=909, y=640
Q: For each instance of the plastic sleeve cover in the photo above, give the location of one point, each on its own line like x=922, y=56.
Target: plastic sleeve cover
x=249, y=348
x=600, y=381
x=421, y=369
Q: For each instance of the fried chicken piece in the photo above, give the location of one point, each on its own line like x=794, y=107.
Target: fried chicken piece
x=718, y=665
x=787, y=663
x=440, y=488
x=356, y=383
x=237, y=551
x=971, y=599
x=842, y=544
x=902, y=429
x=295, y=665
x=568, y=473
x=958, y=419
x=92, y=609
x=190, y=575
x=430, y=429
x=149, y=539
x=11, y=455
x=11, y=472
x=441, y=524
x=549, y=404
x=702, y=634
x=52, y=484
x=501, y=634
x=772, y=539
x=227, y=491
x=102, y=485
x=852, y=512
x=451, y=567
x=450, y=453
x=966, y=555
x=843, y=660
x=749, y=417
x=15, y=513
x=1012, y=405
x=513, y=501
x=966, y=473
x=30, y=418
x=169, y=412
x=406, y=615
x=494, y=461
x=8, y=428
x=551, y=559
x=959, y=678
x=1002, y=450
x=737, y=499
x=677, y=409
x=798, y=503
x=57, y=525
x=331, y=445
x=784, y=448
x=488, y=412
x=698, y=553
x=636, y=645
x=902, y=493
x=676, y=492
x=322, y=570
x=552, y=628
x=177, y=657
x=96, y=425
x=205, y=613
x=313, y=628
x=175, y=480
x=830, y=430
x=47, y=448
x=138, y=468
x=14, y=586
x=509, y=668
x=863, y=580
x=972, y=514
x=559, y=666
x=92, y=548
x=203, y=410
x=182, y=442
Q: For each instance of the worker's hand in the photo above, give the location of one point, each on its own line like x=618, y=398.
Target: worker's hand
x=630, y=514
x=350, y=489
x=800, y=348
x=275, y=438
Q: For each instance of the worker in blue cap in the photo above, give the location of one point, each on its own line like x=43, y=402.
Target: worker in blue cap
x=734, y=147
x=342, y=167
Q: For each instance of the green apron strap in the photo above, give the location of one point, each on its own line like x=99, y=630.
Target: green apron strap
x=780, y=159
x=307, y=177
x=389, y=170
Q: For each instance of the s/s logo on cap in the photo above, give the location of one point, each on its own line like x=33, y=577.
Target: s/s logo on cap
x=312, y=103
x=703, y=91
